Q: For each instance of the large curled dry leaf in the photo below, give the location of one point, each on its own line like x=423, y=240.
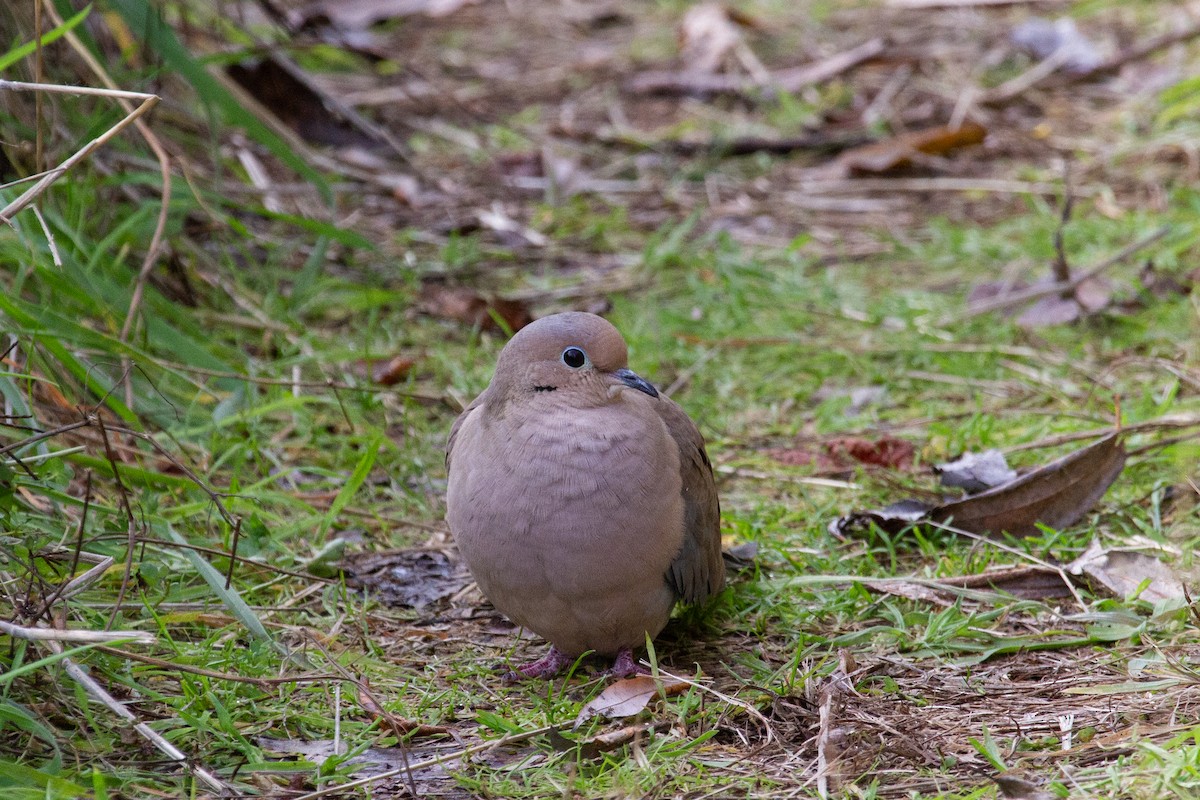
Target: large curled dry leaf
x=1057, y=495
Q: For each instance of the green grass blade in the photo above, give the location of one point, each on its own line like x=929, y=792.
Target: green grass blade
x=216, y=582
x=15, y=776
x=361, y=470
x=53, y=35
x=54, y=658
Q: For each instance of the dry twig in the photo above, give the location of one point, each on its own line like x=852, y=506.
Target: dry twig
x=789, y=80
x=1036, y=292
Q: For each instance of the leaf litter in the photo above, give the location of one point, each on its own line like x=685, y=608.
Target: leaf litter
x=407, y=578
x=1128, y=572
x=905, y=150
x=1119, y=572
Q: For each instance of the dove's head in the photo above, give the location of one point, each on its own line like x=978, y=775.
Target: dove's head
x=571, y=358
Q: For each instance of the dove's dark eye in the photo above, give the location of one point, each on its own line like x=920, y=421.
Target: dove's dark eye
x=574, y=358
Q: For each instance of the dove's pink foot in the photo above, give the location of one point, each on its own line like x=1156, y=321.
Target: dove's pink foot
x=624, y=666
x=549, y=665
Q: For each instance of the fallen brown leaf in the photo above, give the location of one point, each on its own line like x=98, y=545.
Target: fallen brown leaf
x=468, y=306
x=841, y=453
x=1014, y=786
x=629, y=696
x=1057, y=494
x=1122, y=571
x=1030, y=582
x=898, y=152
x=393, y=371
x=886, y=451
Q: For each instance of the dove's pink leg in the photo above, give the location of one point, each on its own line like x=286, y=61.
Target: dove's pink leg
x=624, y=666
x=549, y=665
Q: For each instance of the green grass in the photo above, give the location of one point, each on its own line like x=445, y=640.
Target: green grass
x=246, y=387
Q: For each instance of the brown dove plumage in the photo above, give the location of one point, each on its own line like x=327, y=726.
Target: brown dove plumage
x=582, y=500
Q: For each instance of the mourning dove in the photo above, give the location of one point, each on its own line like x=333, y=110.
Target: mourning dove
x=581, y=498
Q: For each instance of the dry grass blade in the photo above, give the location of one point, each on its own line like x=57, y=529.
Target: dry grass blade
x=42, y=634
x=44, y=181
x=164, y=164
